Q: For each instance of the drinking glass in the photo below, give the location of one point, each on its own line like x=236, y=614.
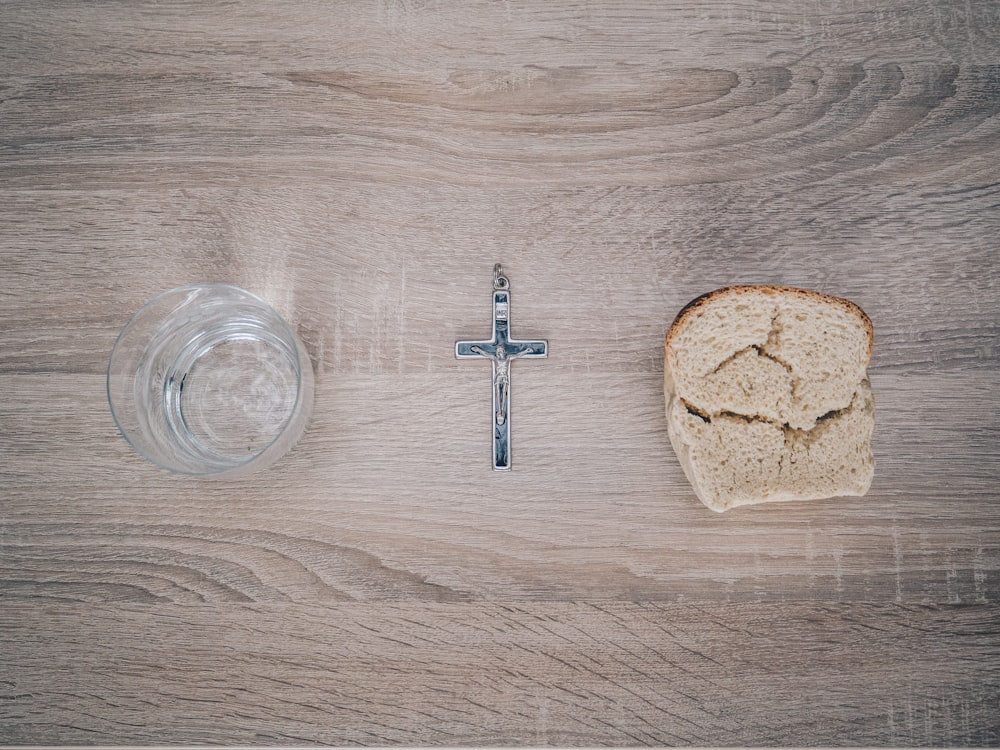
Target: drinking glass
x=209, y=380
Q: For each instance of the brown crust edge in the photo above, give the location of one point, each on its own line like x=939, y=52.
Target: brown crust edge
x=699, y=302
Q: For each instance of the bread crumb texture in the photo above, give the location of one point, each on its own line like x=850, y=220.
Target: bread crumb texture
x=768, y=397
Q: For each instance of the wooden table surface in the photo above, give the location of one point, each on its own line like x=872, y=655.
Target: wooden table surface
x=362, y=166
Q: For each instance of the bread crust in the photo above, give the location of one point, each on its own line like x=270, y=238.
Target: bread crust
x=737, y=289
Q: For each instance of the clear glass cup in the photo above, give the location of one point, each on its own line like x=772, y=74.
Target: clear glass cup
x=209, y=380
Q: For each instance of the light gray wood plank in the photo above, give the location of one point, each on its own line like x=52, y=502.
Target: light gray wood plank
x=62, y=37
x=469, y=674
x=374, y=504
x=382, y=279
x=807, y=124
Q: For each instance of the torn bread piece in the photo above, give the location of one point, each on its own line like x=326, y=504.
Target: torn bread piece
x=768, y=397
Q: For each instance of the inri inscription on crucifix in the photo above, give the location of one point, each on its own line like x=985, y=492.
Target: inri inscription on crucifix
x=501, y=350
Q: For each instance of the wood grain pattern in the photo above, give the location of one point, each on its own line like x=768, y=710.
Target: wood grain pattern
x=606, y=674
x=362, y=166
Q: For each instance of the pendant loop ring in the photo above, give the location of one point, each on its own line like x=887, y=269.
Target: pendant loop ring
x=499, y=280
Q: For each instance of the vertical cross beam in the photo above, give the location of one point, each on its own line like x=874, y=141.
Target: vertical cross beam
x=501, y=349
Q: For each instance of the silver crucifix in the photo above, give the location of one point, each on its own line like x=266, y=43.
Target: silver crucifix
x=501, y=350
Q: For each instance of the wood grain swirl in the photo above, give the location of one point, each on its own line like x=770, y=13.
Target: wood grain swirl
x=576, y=125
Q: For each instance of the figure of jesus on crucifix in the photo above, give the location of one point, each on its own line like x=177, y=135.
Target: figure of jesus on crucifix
x=501, y=376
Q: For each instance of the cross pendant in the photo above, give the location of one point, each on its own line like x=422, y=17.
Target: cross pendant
x=501, y=350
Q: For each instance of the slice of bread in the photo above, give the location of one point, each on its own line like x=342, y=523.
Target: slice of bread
x=768, y=397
